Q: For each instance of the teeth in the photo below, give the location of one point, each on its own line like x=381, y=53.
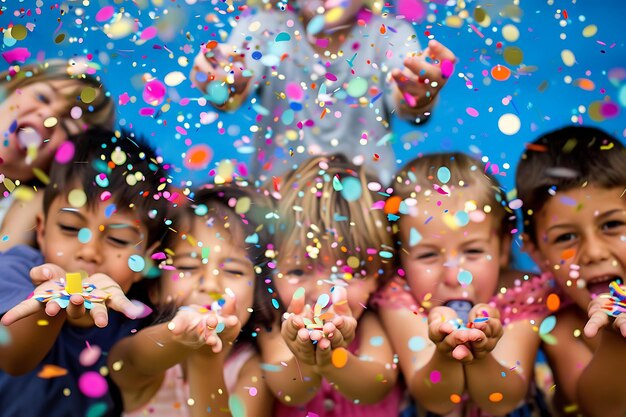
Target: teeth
x=29, y=138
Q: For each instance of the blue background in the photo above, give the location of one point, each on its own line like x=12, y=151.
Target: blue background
x=540, y=96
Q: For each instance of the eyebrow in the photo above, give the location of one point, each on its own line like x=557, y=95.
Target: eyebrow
x=77, y=213
x=611, y=212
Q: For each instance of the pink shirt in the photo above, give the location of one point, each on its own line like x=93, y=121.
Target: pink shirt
x=330, y=403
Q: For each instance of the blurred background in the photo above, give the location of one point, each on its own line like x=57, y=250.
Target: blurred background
x=524, y=67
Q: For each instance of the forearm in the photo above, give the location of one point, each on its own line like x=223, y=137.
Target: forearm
x=150, y=352
x=483, y=378
x=435, y=395
x=294, y=383
x=31, y=339
x=206, y=384
x=601, y=385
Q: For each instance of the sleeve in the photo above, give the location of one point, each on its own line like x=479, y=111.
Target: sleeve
x=394, y=294
x=15, y=283
x=401, y=43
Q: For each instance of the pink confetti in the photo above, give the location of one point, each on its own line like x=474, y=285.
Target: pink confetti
x=154, y=92
x=472, y=111
x=435, y=377
x=92, y=384
x=413, y=10
x=64, y=153
x=447, y=68
x=294, y=91
x=410, y=100
x=148, y=33
x=330, y=76
x=105, y=14
x=16, y=55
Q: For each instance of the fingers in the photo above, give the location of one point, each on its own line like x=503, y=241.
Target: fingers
x=76, y=307
x=340, y=301
x=462, y=353
x=620, y=324
x=291, y=326
x=119, y=302
x=99, y=315
x=324, y=352
x=297, y=301
x=20, y=311
x=597, y=320
x=46, y=272
x=230, y=306
x=438, y=51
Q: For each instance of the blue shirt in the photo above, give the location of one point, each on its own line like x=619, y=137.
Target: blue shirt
x=31, y=395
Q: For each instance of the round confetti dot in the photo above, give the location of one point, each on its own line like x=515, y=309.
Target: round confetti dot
x=553, y=302
x=609, y=109
x=417, y=343
x=353, y=262
x=294, y=91
x=357, y=87
x=509, y=124
x=515, y=204
x=339, y=357
x=92, y=384
x=472, y=111
x=500, y=73
x=513, y=55
x=495, y=397
x=510, y=33
x=88, y=94
x=465, y=277
x=547, y=325
x=217, y=92
x=105, y=14
x=462, y=218
x=136, y=263
x=198, y=157
x=76, y=112
x=315, y=25
x=392, y=204
x=455, y=398
x=568, y=57
x=256, y=55
x=89, y=355
x=77, y=198
x=243, y=205
x=154, y=92
x=102, y=180
x=84, y=235
x=64, y=153
x=435, y=377
x=590, y=31
x=282, y=37
x=443, y=175
x=148, y=33
x=97, y=410
x=19, y=32
x=323, y=300
x=352, y=190
x=377, y=341
x=174, y=78
x=236, y=406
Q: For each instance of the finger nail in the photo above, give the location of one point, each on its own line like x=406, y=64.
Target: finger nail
x=46, y=273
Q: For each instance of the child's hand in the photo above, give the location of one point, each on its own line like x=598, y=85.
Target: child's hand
x=598, y=317
x=294, y=332
x=212, y=63
x=491, y=328
x=411, y=80
x=341, y=329
x=448, y=339
x=45, y=272
x=106, y=294
x=195, y=327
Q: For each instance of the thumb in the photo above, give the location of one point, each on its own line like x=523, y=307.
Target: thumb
x=46, y=272
x=297, y=301
x=230, y=305
x=340, y=301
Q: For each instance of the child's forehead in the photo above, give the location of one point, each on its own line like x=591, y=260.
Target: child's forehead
x=76, y=201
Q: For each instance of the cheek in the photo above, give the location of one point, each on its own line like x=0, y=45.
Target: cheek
x=285, y=290
x=421, y=279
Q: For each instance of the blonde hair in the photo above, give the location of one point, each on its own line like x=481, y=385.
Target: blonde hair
x=103, y=109
x=315, y=212
x=422, y=174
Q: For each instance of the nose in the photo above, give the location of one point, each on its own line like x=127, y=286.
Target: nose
x=210, y=282
x=90, y=252
x=593, y=250
x=451, y=269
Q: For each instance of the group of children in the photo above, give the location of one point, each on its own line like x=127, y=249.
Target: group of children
x=324, y=292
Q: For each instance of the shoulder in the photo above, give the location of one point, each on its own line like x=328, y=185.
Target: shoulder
x=23, y=254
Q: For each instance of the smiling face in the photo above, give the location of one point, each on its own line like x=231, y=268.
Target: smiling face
x=581, y=238
x=35, y=121
x=444, y=261
x=216, y=260
x=93, y=240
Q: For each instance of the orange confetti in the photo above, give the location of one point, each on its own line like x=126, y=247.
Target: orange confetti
x=455, y=398
x=383, y=29
x=392, y=205
x=500, y=73
x=51, y=371
x=568, y=253
x=340, y=357
x=553, y=302
x=276, y=183
x=211, y=44
x=495, y=397
x=585, y=84
x=324, y=112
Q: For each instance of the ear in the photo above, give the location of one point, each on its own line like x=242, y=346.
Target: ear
x=532, y=250
x=41, y=231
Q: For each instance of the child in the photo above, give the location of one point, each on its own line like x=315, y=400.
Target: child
x=572, y=183
x=454, y=232
x=102, y=213
x=183, y=367
x=331, y=356
x=324, y=77
x=40, y=105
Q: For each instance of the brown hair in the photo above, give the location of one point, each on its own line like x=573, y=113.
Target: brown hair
x=563, y=159
x=317, y=214
x=421, y=174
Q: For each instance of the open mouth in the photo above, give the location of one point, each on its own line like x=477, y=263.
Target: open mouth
x=461, y=307
x=600, y=285
x=28, y=138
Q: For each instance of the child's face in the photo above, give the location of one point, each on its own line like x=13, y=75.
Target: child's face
x=581, y=238
x=343, y=11
x=204, y=272
x=317, y=277
x=93, y=240
x=444, y=261
x=39, y=117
